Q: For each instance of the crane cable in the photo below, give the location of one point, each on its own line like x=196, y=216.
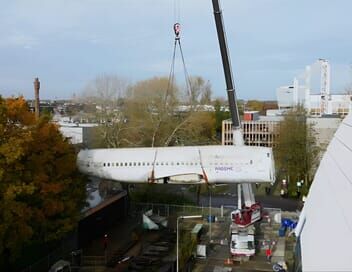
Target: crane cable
x=177, y=30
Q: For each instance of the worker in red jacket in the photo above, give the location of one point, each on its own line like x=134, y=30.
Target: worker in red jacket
x=268, y=253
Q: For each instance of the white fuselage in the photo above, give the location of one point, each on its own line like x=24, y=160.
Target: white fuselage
x=181, y=165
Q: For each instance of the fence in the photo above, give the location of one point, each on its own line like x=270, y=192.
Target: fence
x=137, y=208
x=95, y=263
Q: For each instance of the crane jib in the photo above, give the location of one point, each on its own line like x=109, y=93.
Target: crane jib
x=226, y=64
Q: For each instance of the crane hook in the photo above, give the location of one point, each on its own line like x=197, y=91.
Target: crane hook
x=177, y=30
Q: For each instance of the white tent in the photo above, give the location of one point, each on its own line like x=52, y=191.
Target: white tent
x=325, y=225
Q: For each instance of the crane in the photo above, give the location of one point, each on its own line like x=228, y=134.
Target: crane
x=238, y=164
x=251, y=211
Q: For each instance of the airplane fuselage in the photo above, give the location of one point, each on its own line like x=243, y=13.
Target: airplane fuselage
x=180, y=165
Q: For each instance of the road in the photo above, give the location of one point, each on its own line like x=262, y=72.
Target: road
x=266, y=201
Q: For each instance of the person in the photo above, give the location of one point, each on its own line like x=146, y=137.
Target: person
x=282, y=193
x=268, y=254
x=105, y=242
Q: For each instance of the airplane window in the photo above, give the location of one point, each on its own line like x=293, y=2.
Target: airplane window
x=148, y=163
x=108, y=163
x=172, y=163
x=130, y=163
x=112, y=164
x=182, y=163
x=177, y=163
x=126, y=164
x=157, y=163
x=161, y=163
x=166, y=163
x=139, y=164
x=251, y=161
x=134, y=164
x=104, y=164
x=143, y=163
x=191, y=163
x=186, y=163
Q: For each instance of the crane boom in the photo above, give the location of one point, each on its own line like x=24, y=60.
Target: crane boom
x=230, y=87
x=246, y=214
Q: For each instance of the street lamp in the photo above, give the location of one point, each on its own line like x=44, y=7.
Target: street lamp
x=178, y=218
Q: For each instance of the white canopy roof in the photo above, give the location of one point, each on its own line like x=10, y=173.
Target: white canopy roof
x=325, y=225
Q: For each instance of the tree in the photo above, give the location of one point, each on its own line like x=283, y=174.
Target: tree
x=41, y=190
x=220, y=115
x=108, y=92
x=255, y=105
x=150, y=109
x=149, y=113
x=296, y=151
x=200, y=91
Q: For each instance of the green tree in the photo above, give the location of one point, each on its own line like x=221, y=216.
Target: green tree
x=220, y=115
x=41, y=190
x=296, y=151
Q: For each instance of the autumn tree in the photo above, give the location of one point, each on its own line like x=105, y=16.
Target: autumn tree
x=41, y=191
x=150, y=109
x=150, y=113
x=296, y=150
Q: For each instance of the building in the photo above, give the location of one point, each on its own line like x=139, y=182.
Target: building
x=257, y=130
x=324, y=230
x=317, y=103
x=77, y=133
x=264, y=130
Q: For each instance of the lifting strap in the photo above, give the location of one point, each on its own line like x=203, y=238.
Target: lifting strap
x=177, y=31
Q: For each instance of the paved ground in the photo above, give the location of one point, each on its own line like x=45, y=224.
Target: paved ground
x=218, y=251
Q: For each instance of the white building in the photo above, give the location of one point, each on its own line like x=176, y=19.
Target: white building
x=325, y=226
x=77, y=133
x=316, y=104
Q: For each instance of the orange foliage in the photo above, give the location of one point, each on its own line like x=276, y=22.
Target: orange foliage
x=18, y=111
x=41, y=191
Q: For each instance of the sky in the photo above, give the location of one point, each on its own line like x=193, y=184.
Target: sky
x=67, y=43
